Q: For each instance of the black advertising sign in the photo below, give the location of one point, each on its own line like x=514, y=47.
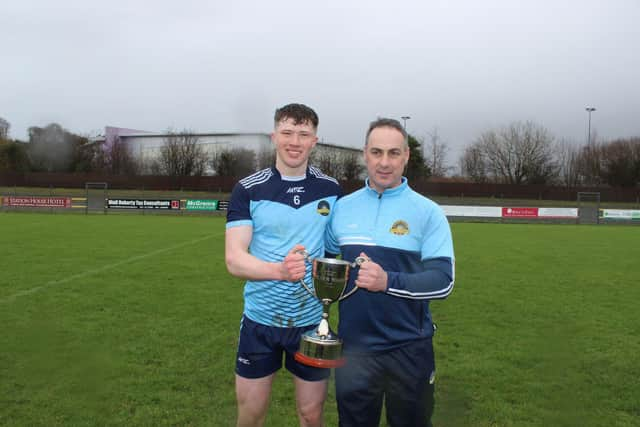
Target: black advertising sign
x=143, y=204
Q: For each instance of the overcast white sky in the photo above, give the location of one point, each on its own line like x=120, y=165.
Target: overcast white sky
x=463, y=66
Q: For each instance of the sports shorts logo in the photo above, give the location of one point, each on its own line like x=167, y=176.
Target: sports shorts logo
x=400, y=228
x=323, y=208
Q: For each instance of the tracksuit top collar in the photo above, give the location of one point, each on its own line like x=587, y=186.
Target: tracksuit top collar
x=389, y=192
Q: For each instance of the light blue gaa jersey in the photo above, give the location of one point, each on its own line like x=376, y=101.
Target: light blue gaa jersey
x=283, y=212
x=408, y=235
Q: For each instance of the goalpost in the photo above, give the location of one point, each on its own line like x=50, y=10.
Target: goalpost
x=96, y=193
x=588, y=207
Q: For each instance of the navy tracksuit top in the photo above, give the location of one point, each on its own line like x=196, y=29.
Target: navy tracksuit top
x=408, y=235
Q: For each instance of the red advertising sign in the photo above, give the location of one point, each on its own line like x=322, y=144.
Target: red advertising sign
x=38, y=202
x=519, y=212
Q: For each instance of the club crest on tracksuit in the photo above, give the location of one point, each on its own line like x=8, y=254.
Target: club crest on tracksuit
x=400, y=228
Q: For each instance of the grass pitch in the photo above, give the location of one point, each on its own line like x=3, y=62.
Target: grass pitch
x=133, y=320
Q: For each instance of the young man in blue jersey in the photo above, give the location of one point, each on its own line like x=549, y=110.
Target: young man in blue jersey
x=386, y=325
x=273, y=215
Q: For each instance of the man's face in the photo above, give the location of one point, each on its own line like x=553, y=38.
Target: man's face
x=293, y=142
x=386, y=156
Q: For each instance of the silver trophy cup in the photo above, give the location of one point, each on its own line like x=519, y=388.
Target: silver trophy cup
x=321, y=347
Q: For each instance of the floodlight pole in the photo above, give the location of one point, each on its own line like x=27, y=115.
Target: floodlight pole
x=404, y=122
x=589, y=110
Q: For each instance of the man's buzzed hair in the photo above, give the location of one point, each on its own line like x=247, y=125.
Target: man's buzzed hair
x=299, y=113
x=384, y=122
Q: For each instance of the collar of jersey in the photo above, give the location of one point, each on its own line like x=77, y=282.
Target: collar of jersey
x=389, y=192
x=276, y=172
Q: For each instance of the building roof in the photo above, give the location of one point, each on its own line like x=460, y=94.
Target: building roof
x=111, y=131
x=163, y=134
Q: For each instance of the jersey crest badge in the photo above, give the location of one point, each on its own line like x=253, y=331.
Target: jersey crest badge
x=323, y=208
x=400, y=228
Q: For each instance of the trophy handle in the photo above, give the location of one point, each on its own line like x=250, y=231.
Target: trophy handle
x=305, y=254
x=304, y=285
x=358, y=262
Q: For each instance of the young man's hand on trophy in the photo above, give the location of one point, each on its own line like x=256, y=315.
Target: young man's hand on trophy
x=293, y=266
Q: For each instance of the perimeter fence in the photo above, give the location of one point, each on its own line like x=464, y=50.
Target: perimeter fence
x=437, y=188
x=100, y=198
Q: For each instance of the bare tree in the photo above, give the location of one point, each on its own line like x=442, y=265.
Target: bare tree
x=236, y=162
x=568, y=164
x=435, y=154
x=621, y=162
x=266, y=157
x=521, y=153
x=182, y=155
x=115, y=158
x=337, y=163
x=473, y=164
x=328, y=160
x=590, y=161
x=84, y=155
x=352, y=168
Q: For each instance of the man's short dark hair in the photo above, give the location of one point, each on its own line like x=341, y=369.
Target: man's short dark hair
x=299, y=113
x=383, y=122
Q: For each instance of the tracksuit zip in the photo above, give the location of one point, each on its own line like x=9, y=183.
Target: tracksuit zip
x=375, y=224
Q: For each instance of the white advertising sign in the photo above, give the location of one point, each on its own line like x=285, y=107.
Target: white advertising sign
x=473, y=211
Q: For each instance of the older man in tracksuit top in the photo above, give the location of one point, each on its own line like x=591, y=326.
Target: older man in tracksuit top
x=386, y=325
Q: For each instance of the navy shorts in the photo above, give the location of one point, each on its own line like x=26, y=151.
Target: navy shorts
x=403, y=378
x=261, y=347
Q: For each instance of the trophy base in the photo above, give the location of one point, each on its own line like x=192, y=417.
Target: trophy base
x=319, y=363
x=320, y=351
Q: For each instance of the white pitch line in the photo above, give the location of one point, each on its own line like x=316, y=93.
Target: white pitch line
x=101, y=269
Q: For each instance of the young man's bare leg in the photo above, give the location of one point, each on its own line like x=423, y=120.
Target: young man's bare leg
x=310, y=397
x=253, y=396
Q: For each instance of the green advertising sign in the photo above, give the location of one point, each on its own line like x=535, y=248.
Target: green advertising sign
x=620, y=214
x=202, y=205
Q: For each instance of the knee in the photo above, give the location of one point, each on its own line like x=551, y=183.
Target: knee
x=252, y=411
x=310, y=415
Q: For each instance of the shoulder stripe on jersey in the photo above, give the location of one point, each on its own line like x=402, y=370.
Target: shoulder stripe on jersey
x=257, y=178
x=318, y=174
x=254, y=175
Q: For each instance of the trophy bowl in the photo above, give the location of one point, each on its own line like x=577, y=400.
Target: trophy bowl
x=321, y=347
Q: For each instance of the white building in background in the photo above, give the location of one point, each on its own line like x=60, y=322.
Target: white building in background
x=4, y=128
x=146, y=146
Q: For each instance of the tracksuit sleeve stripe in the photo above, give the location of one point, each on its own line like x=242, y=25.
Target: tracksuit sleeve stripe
x=440, y=294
